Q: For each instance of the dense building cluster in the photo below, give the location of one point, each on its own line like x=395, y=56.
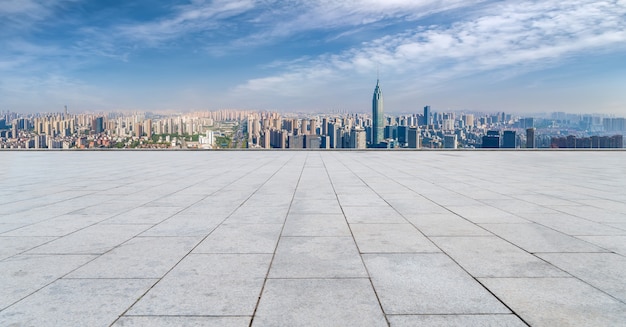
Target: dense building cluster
x=266, y=129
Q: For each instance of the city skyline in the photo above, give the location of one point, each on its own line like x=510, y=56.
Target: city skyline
x=198, y=55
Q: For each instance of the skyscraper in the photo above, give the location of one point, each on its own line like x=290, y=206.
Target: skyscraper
x=378, y=116
x=428, y=118
x=508, y=139
x=530, y=138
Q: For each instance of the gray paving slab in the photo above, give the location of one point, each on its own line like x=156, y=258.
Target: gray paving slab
x=572, y=225
x=557, y=301
x=58, y=226
x=482, y=213
x=445, y=225
x=490, y=256
x=315, y=206
x=427, y=284
x=606, y=271
x=208, y=284
x=144, y=215
x=380, y=238
x=319, y=302
x=483, y=320
x=182, y=321
x=71, y=302
x=140, y=257
x=316, y=225
x=12, y=245
x=372, y=215
x=21, y=275
x=483, y=223
x=317, y=257
x=537, y=238
x=95, y=239
x=616, y=244
x=241, y=238
x=184, y=225
x=247, y=214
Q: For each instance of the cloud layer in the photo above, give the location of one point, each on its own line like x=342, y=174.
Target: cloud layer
x=289, y=51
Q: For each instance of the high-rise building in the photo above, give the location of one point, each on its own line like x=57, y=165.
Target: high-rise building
x=378, y=116
x=413, y=138
x=428, y=118
x=357, y=138
x=491, y=140
x=450, y=141
x=530, y=138
x=508, y=139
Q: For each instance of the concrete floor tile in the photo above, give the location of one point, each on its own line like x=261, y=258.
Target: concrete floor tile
x=140, y=257
x=557, y=301
x=373, y=215
x=58, y=226
x=241, y=238
x=490, y=256
x=500, y=320
x=184, y=225
x=208, y=284
x=258, y=215
x=536, y=238
x=485, y=214
x=319, y=302
x=571, y=225
x=95, y=239
x=308, y=206
x=21, y=275
x=445, y=225
x=72, y=303
x=316, y=225
x=10, y=246
x=427, y=284
x=378, y=238
x=144, y=215
x=606, y=271
x=616, y=244
x=182, y=321
x=317, y=257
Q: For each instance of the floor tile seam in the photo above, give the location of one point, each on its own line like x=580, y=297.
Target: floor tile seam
x=320, y=278
x=453, y=314
x=478, y=225
x=205, y=237
x=182, y=316
x=109, y=278
x=27, y=225
x=572, y=277
x=52, y=281
x=187, y=187
x=401, y=252
x=267, y=273
x=248, y=172
x=449, y=256
x=369, y=276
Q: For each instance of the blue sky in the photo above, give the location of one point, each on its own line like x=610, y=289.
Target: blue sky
x=313, y=55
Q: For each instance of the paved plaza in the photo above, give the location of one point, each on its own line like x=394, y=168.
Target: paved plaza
x=313, y=238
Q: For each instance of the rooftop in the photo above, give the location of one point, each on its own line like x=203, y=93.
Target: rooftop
x=285, y=238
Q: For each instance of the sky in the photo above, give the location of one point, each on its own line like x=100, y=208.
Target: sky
x=313, y=55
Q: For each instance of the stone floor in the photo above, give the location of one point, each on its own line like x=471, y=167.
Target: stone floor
x=450, y=238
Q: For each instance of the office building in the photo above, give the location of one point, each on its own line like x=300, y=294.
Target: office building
x=450, y=141
x=508, y=140
x=530, y=138
x=378, y=116
x=413, y=138
x=491, y=140
x=428, y=118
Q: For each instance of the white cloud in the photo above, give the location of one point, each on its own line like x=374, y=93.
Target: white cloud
x=518, y=36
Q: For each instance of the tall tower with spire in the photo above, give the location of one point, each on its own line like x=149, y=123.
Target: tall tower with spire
x=378, y=116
